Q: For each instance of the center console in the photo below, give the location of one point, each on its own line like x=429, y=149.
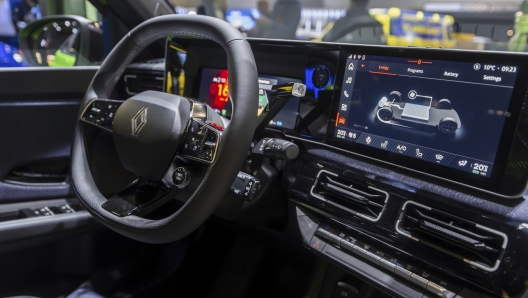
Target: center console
x=416, y=186
x=415, y=235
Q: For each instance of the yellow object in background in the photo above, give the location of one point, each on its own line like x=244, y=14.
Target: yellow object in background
x=169, y=83
x=181, y=83
x=416, y=28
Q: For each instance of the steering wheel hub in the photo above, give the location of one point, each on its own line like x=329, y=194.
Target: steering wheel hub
x=148, y=129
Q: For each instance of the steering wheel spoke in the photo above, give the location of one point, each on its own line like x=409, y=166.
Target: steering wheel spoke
x=101, y=113
x=201, y=142
x=139, y=198
x=197, y=151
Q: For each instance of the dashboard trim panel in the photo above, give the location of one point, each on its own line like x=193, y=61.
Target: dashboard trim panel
x=405, y=168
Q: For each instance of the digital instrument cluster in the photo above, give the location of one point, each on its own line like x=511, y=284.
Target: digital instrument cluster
x=214, y=90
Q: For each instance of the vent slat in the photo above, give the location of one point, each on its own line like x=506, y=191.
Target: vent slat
x=375, y=204
x=476, y=244
x=351, y=187
x=349, y=195
x=464, y=240
x=345, y=192
x=451, y=225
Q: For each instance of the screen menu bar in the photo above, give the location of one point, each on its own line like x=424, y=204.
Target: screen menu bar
x=462, y=72
x=463, y=163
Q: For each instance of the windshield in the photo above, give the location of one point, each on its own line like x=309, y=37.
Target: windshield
x=464, y=24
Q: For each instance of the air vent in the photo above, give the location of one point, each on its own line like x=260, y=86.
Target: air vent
x=467, y=241
x=137, y=83
x=350, y=195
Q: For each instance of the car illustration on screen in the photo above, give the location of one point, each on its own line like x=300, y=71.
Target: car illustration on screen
x=418, y=112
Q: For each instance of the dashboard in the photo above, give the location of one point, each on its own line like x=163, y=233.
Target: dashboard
x=453, y=119
x=412, y=170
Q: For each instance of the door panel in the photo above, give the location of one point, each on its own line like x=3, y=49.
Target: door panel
x=38, y=112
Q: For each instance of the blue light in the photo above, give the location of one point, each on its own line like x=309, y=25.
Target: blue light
x=308, y=74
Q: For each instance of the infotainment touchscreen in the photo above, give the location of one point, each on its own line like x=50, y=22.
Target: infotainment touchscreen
x=215, y=92
x=447, y=113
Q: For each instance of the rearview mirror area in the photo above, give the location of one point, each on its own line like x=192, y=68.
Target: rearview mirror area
x=62, y=41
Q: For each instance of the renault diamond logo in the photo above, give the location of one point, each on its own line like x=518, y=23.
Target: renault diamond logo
x=139, y=120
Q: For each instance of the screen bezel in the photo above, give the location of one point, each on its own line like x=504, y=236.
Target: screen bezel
x=494, y=182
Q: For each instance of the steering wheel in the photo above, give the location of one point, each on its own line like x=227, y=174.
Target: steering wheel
x=166, y=139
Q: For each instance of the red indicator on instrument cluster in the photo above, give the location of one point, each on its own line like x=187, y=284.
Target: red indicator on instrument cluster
x=219, y=90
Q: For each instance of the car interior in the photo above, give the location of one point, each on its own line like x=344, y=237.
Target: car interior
x=161, y=152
